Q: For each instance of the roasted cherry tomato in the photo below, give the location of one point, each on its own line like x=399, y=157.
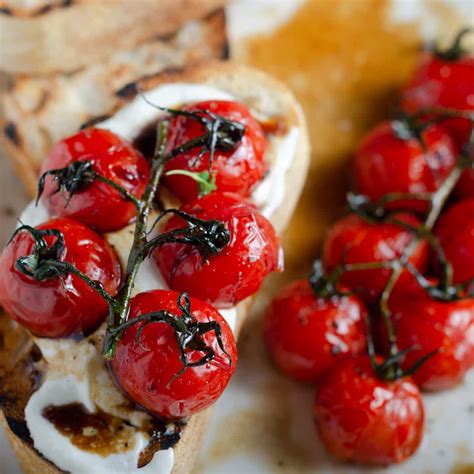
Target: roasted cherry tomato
x=446, y=81
x=364, y=419
x=443, y=82
x=147, y=364
x=455, y=231
x=353, y=240
x=239, y=269
x=96, y=204
x=59, y=306
x=236, y=170
x=307, y=335
x=385, y=163
x=425, y=325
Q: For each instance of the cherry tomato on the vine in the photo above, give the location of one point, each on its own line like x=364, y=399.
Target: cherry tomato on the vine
x=307, y=335
x=455, y=231
x=440, y=82
x=60, y=306
x=146, y=364
x=239, y=269
x=97, y=204
x=236, y=170
x=364, y=419
x=352, y=240
x=425, y=325
x=385, y=163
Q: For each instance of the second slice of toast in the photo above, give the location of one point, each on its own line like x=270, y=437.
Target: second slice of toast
x=40, y=111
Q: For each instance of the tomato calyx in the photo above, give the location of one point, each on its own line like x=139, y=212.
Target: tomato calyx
x=209, y=236
x=220, y=133
x=45, y=262
x=70, y=179
x=76, y=177
x=390, y=369
x=409, y=127
x=33, y=265
x=455, y=51
x=325, y=285
x=188, y=330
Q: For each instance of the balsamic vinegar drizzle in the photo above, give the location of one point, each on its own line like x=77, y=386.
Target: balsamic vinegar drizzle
x=98, y=432
x=105, y=434
x=163, y=436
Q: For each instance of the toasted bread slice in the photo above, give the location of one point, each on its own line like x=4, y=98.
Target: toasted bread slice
x=40, y=111
x=267, y=97
x=50, y=36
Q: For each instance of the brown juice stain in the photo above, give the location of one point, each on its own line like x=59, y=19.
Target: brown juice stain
x=463, y=469
x=345, y=64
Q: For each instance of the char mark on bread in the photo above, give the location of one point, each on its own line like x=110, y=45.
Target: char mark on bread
x=12, y=133
x=4, y=10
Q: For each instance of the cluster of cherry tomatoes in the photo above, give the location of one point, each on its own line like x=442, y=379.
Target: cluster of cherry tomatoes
x=148, y=356
x=367, y=407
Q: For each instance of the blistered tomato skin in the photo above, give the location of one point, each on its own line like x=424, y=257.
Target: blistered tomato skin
x=239, y=269
x=427, y=325
x=97, y=204
x=306, y=336
x=145, y=368
x=60, y=307
x=363, y=419
x=237, y=170
x=455, y=231
x=386, y=164
x=353, y=240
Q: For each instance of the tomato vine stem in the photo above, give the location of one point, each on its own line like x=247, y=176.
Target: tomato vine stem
x=325, y=285
x=118, y=313
x=210, y=237
x=437, y=202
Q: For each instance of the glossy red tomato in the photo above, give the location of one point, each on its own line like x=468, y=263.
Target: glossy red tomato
x=353, y=240
x=427, y=325
x=97, y=204
x=386, y=164
x=307, y=335
x=465, y=186
x=59, y=307
x=438, y=82
x=145, y=368
x=236, y=171
x=455, y=231
x=235, y=273
x=364, y=419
